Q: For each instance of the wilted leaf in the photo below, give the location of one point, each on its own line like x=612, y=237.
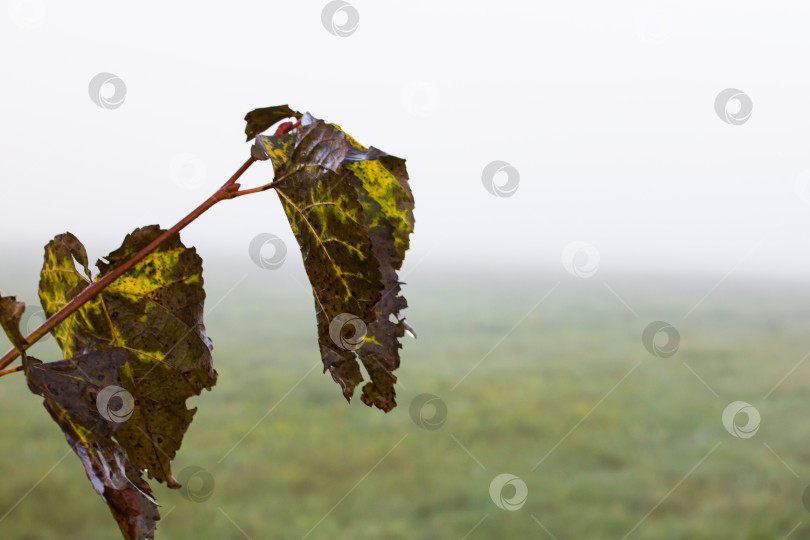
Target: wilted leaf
x=388, y=206
x=352, y=213
x=154, y=310
x=259, y=120
x=70, y=388
x=11, y=312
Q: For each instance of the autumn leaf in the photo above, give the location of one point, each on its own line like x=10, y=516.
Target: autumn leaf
x=11, y=312
x=351, y=210
x=388, y=206
x=259, y=120
x=71, y=390
x=132, y=336
x=155, y=311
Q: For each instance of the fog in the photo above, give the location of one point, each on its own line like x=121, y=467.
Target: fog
x=606, y=112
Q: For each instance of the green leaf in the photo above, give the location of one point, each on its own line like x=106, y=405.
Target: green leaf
x=351, y=210
x=70, y=389
x=259, y=120
x=154, y=310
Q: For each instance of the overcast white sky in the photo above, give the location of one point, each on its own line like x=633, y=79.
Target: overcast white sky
x=606, y=110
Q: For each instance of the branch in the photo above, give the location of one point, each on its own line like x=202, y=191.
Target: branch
x=276, y=181
x=286, y=127
x=259, y=189
x=227, y=191
x=14, y=369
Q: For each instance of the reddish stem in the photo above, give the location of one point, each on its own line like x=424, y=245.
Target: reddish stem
x=10, y=370
x=287, y=127
x=259, y=189
x=227, y=191
x=239, y=172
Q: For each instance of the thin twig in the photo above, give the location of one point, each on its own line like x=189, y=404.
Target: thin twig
x=259, y=189
x=10, y=370
x=227, y=191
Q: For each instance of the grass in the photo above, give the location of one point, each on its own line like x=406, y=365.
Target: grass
x=608, y=438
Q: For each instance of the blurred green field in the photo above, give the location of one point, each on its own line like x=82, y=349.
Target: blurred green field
x=628, y=441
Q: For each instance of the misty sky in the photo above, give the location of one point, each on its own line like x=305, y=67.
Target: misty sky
x=606, y=111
